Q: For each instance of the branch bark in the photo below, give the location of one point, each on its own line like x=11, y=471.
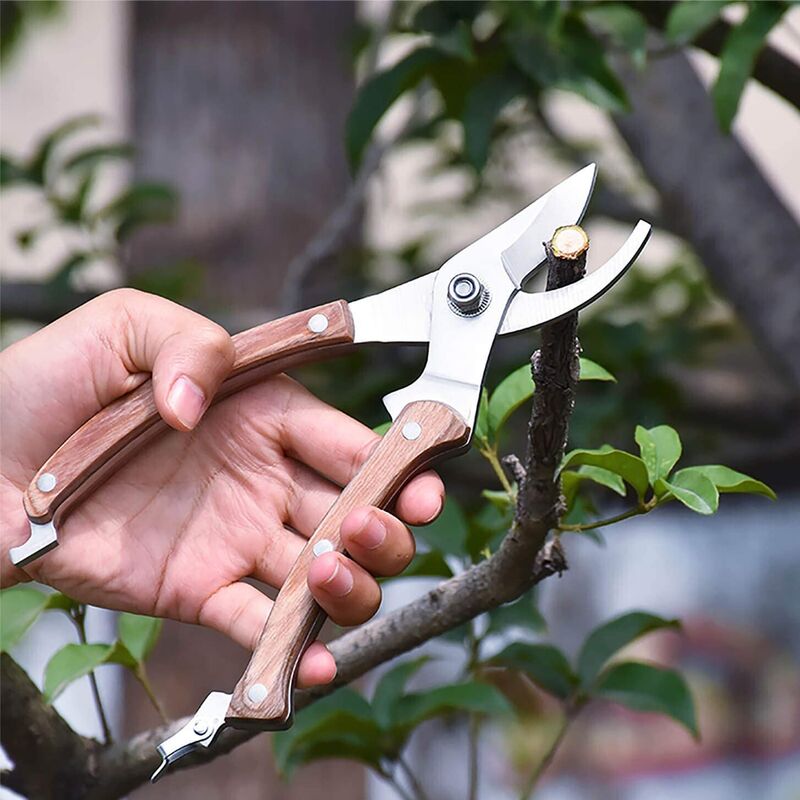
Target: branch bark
x=714, y=196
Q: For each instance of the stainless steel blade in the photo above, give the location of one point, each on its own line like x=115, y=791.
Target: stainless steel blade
x=461, y=340
x=530, y=310
x=403, y=313
x=566, y=205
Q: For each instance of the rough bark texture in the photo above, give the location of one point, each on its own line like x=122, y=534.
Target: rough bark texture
x=714, y=196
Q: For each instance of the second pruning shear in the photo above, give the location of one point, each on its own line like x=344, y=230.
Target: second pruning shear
x=457, y=310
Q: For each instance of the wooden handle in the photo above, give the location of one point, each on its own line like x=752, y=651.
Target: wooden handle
x=114, y=434
x=424, y=431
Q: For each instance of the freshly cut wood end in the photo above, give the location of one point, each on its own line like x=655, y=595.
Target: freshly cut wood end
x=569, y=242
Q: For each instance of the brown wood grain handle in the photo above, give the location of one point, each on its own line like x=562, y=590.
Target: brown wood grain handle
x=112, y=436
x=424, y=431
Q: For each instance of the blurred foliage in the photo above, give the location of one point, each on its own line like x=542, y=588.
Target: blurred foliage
x=470, y=61
x=71, y=181
x=17, y=18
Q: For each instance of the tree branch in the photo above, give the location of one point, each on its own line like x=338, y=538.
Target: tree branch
x=772, y=69
x=50, y=760
x=522, y=560
x=715, y=197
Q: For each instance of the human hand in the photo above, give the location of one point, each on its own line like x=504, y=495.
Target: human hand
x=176, y=530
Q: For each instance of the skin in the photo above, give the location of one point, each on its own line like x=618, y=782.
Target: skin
x=176, y=530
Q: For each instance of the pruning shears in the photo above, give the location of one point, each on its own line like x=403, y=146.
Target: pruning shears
x=457, y=310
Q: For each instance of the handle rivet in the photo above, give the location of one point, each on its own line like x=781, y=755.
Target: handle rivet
x=46, y=482
x=318, y=323
x=411, y=430
x=200, y=727
x=257, y=693
x=322, y=546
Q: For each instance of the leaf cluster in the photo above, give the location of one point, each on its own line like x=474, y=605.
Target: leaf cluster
x=474, y=62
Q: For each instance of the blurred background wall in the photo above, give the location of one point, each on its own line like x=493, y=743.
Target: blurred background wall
x=241, y=107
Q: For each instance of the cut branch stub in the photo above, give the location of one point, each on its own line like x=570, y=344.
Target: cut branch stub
x=569, y=242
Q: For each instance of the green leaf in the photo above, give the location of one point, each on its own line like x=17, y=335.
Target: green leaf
x=728, y=480
x=70, y=663
x=643, y=687
x=338, y=725
x=625, y=26
x=591, y=371
x=509, y=395
x=521, y=613
x=499, y=498
x=738, y=56
x=430, y=564
x=485, y=100
x=39, y=165
x=92, y=156
x=482, y=428
x=689, y=18
x=382, y=428
x=630, y=467
x=574, y=62
x=694, y=490
x=603, y=642
x=390, y=689
x=140, y=204
x=480, y=698
x=544, y=664
x=20, y=607
x=448, y=532
x=138, y=634
x=660, y=448
x=12, y=172
x=379, y=93
x=456, y=42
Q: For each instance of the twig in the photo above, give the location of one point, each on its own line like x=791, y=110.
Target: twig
x=78, y=617
x=416, y=786
x=547, y=759
x=473, y=758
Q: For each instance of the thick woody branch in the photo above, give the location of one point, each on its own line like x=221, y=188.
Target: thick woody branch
x=50, y=759
x=716, y=198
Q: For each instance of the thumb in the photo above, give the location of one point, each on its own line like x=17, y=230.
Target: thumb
x=188, y=355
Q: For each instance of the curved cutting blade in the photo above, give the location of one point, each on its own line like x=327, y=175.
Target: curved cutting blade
x=534, y=309
x=402, y=314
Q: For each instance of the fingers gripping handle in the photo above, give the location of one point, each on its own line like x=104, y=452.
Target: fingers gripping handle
x=423, y=431
x=113, y=435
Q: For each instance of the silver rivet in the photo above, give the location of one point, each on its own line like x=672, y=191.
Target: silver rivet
x=257, y=693
x=46, y=482
x=412, y=430
x=323, y=546
x=318, y=323
x=200, y=727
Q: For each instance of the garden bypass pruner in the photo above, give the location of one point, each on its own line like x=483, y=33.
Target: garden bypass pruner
x=457, y=310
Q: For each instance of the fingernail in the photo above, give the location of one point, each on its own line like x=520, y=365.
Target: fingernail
x=340, y=582
x=436, y=513
x=187, y=401
x=372, y=533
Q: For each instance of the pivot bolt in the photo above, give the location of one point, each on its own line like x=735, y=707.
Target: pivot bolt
x=200, y=727
x=467, y=295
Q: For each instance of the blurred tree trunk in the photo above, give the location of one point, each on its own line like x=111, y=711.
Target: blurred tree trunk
x=241, y=107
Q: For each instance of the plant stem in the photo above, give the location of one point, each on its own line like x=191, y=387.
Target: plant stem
x=141, y=675
x=539, y=769
x=416, y=786
x=490, y=454
x=78, y=617
x=391, y=779
x=474, y=739
x=643, y=508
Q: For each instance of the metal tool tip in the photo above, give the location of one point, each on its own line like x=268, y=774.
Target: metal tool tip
x=160, y=771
